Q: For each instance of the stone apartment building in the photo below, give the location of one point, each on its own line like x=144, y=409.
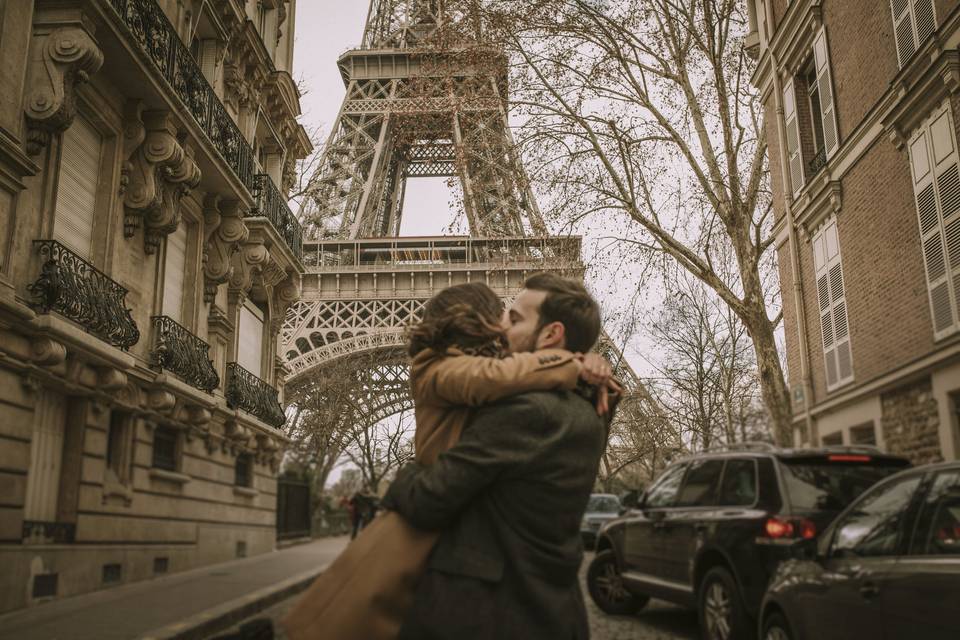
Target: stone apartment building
x=147, y=259
x=862, y=105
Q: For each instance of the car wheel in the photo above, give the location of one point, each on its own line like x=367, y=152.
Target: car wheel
x=607, y=589
x=775, y=628
x=720, y=607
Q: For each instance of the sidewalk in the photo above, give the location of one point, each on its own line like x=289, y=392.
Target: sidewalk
x=191, y=604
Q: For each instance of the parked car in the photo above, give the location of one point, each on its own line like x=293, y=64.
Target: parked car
x=601, y=509
x=712, y=529
x=887, y=568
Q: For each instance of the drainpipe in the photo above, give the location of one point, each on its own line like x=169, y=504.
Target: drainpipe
x=791, y=233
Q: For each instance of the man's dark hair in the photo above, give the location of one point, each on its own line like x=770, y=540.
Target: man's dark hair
x=569, y=303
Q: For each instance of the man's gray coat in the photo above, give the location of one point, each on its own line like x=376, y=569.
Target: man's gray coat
x=509, y=498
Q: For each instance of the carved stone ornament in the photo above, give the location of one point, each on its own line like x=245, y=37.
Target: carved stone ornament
x=47, y=352
x=250, y=261
x=226, y=232
x=59, y=61
x=159, y=172
x=284, y=294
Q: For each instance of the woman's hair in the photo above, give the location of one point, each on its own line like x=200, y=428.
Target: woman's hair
x=466, y=316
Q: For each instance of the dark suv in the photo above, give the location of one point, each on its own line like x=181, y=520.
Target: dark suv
x=712, y=529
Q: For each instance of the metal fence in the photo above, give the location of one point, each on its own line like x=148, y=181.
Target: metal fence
x=293, y=509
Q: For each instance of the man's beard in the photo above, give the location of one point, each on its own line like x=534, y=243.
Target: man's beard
x=528, y=344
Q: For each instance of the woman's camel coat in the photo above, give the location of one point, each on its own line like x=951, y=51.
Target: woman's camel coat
x=366, y=591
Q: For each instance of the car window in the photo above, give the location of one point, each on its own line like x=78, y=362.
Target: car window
x=875, y=522
x=739, y=487
x=701, y=484
x=663, y=493
x=603, y=504
x=938, y=530
x=826, y=484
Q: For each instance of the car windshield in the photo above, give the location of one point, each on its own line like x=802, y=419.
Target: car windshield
x=825, y=485
x=603, y=504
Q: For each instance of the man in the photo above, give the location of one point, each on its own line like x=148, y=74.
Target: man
x=510, y=495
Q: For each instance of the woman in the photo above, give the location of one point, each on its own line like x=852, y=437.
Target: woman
x=456, y=365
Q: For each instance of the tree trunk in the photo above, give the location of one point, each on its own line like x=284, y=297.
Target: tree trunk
x=773, y=387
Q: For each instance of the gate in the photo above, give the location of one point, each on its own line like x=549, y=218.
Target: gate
x=293, y=508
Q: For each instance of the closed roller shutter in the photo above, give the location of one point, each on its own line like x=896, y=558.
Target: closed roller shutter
x=174, y=274
x=80, y=153
x=250, y=344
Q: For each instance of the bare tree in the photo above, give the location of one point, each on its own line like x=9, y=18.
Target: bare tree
x=379, y=449
x=708, y=376
x=642, y=111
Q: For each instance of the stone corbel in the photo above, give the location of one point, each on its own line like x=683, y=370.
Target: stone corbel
x=225, y=234
x=285, y=294
x=163, y=402
x=111, y=380
x=159, y=172
x=60, y=60
x=249, y=262
x=47, y=352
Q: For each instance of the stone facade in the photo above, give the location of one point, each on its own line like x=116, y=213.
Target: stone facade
x=863, y=186
x=911, y=423
x=147, y=260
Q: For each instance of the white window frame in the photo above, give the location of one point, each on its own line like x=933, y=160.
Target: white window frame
x=832, y=305
x=935, y=169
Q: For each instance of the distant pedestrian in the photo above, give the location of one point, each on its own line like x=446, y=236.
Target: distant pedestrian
x=356, y=513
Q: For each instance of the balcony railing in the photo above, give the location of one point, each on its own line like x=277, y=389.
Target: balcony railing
x=248, y=392
x=441, y=252
x=817, y=163
x=151, y=29
x=75, y=289
x=273, y=206
x=183, y=353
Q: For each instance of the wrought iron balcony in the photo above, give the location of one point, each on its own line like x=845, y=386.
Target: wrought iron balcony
x=157, y=38
x=183, y=353
x=75, y=289
x=248, y=392
x=273, y=206
x=817, y=163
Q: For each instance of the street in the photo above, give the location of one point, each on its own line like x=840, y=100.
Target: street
x=658, y=621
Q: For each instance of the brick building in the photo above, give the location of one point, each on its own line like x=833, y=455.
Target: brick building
x=147, y=259
x=861, y=102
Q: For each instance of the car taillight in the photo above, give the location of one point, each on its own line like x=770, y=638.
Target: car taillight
x=848, y=458
x=781, y=529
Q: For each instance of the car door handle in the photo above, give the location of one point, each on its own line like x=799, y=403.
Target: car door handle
x=869, y=590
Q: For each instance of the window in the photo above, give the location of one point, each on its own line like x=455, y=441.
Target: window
x=244, y=470
x=739, y=488
x=863, y=434
x=165, y=442
x=250, y=341
x=701, y=485
x=119, y=445
x=837, y=354
x=80, y=155
x=938, y=531
x=174, y=274
x=874, y=526
x=663, y=493
x=834, y=439
x=821, y=484
x=936, y=185
x=817, y=96
x=913, y=22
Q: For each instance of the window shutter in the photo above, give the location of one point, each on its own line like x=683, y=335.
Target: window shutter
x=913, y=22
x=174, y=273
x=794, y=160
x=831, y=299
x=934, y=162
x=250, y=343
x=208, y=60
x=80, y=153
x=828, y=113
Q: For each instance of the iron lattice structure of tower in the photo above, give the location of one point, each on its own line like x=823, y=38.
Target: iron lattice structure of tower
x=425, y=96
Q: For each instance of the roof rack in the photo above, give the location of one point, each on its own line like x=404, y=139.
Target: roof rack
x=742, y=446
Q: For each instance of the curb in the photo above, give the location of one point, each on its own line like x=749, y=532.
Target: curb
x=224, y=616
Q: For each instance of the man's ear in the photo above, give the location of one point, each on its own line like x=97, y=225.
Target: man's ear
x=552, y=336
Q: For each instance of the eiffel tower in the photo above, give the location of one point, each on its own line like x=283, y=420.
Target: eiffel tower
x=425, y=97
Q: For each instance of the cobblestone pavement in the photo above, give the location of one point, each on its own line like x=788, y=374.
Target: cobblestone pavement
x=658, y=620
